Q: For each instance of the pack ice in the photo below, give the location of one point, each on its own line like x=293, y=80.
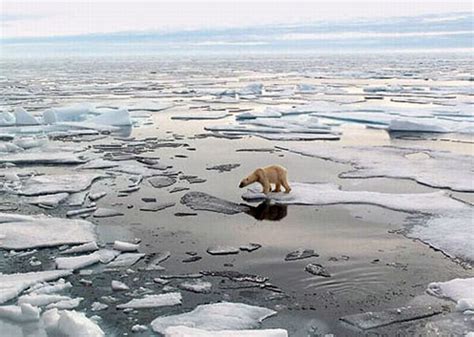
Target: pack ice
x=183, y=331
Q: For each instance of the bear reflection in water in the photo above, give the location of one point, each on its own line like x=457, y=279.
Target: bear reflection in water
x=267, y=211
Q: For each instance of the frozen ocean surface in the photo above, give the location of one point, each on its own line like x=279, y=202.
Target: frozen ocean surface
x=121, y=213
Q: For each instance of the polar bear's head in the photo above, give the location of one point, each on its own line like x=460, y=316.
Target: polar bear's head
x=252, y=177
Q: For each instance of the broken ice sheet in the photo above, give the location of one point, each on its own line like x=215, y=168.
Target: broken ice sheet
x=36, y=157
x=200, y=115
x=49, y=200
x=455, y=289
x=196, y=286
x=125, y=260
x=11, y=285
x=106, y=213
x=69, y=323
x=153, y=301
x=222, y=250
x=160, y=182
x=370, y=320
x=183, y=331
x=30, y=231
x=300, y=254
x=215, y=317
x=50, y=184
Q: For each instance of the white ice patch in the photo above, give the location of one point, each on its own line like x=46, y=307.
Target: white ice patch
x=71, y=113
x=40, y=300
x=215, y=317
x=25, y=231
x=66, y=183
x=125, y=260
x=77, y=262
x=183, y=331
x=22, y=117
x=20, y=313
x=119, y=117
x=455, y=289
x=440, y=169
x=125, y=246
x=199, y=115
x=48, y=201
x=153, y=301
x=70, y=323
x=86, y=247
x=40, y=157
x=11, y=285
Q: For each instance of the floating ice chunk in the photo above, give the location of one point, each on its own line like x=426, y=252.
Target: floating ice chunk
x=125, y=260
x=455, y=289
x=300, y=254
x=49, y=184
x=250, y=247
x=75, y=112
x=196, y=286
x=70, y=324
x=383, y=88
x=20, y=313
x=298, y=136
x=153, y=301
x=370, y=320
x=98, y=164
x=317, y=269
x=22, y=117
x=222, y=250
x=30, y=142
x=415, y=126
x=465, y=304
x=206, y=202
x=24, y=231
x=267, y=113
x=201, y=115
x=49, y=200
x=139, y=328
x=77, y=262
x=98, y=306
x=47, y=288
x=40, y=157
x=442, y=169
x=106, y=213
x=11, y=285
x=77, y=199
x=118, y=286
x=154, y=264
x=119, y=117
x=125, y=246
x=215, y=317
x=6, y=119
x=97, y=196
x=160, y=182
x=183, y=331
x=86, y=247
x=65, y=304
x=9, y=147
x=40, y=300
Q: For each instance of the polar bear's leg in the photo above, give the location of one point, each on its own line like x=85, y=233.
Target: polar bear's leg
x=285, y=184
x=277, y=187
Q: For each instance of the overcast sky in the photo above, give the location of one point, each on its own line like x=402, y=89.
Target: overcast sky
x=30, y=18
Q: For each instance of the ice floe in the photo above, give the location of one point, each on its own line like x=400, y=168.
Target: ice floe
x=455, y=289
x=183, y=331
x=125, y=260
x=84, y=248
x=125, y=246
x=215, y=317
x=40, y=157
x=153, y=301
x=207, y=202
x=25, y=231
x=51, y=184
x=440, y=169
x=20, y=313
x=70, y=323
x=196, y=286
x=22, y=117
x=11, y=285
x=119, y=286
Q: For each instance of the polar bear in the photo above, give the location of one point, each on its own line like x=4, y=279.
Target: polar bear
x=273, y=174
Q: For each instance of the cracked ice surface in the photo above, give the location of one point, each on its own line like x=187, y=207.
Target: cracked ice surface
x=441, y=169
x=215, y=317
x=25, y=231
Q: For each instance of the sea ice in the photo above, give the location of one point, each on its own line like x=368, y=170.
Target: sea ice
x=196, y=286
x=40, y=157
x=300, y=254
x=153, y=301
x=119, y=286
x=84, y=248
x=455, y=289
x=20, y=313
x=77, y=262
x=441, y=169
x=70, y=323
x=49, y=200
x=40, y=300
x=25, y=231
x=222, y=250
x=22, y=117
x=160, y=182
x=49, y=184
x=11, y=285
x=125, y=260
x=125, y=246
x=66, y=304
x=73, y=113
x=106, y=213
x=215, y=317
x=119, y=117
x=201, y=115
x=183, y=331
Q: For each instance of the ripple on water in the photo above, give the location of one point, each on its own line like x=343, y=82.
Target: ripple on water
x=361, y=280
